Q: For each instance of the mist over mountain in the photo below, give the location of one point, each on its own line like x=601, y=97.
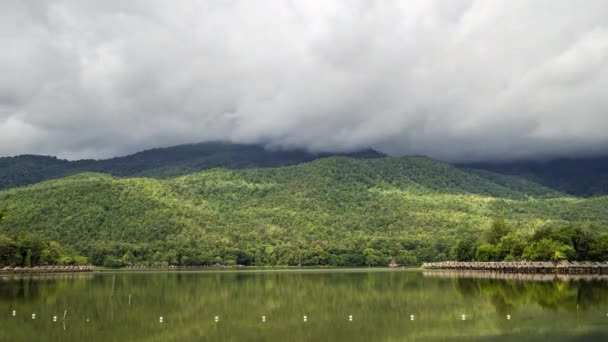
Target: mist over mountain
x=160, y=162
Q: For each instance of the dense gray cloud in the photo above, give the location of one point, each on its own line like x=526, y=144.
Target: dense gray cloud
x=455, y=80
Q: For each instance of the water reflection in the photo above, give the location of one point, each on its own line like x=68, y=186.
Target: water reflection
x=510, y=291
x=128, y=306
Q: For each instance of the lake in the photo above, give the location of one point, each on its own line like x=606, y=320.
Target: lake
x=339, y=305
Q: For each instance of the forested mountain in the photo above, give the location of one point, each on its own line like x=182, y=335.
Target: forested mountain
x=159, y=162
x=580, y=176
x=331, y=211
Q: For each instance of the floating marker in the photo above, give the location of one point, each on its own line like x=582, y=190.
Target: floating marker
x=160, y=319
x=217, y=318
x=14, y=313
x=464, y=318
x=411, y=317
x=87, y=319
x=54, y=318
x=33, y=316
x=508, y=316
x=305, y=318
x=350, y=318
x=263, y=318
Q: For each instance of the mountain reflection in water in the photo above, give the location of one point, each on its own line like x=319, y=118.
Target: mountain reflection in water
x=128, y=306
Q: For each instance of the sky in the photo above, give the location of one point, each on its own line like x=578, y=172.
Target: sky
x=453, y=80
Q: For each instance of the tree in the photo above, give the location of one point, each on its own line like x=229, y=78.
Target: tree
x=463, y=250
x=112, y=262
x=440, y=257
x=406, y=258
x=512, y=246
x=599, y=248
x=486, y=252
x=8, y=249
x=80, y=260
x=546, y=249
x=371, y=256
x=28, y=258
x=498, y=229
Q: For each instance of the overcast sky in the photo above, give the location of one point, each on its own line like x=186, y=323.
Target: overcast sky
x=454, y=80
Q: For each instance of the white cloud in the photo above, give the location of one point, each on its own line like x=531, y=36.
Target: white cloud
x=454, y=80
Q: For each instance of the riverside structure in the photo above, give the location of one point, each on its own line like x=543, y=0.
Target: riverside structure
x=560, y=267
x=46, y=269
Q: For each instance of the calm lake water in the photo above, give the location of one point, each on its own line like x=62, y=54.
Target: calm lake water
x=127, y=306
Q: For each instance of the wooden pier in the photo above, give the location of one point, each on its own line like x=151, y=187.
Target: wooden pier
x=542, y=267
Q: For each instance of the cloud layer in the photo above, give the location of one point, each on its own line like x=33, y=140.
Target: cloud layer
x=455, y=80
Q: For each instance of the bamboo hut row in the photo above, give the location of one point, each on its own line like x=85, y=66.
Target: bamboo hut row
x=543, y=267
x=46, y=269
x=173, y=267
x=549, y=277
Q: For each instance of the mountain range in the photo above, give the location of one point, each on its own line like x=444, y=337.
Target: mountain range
x=159, y=162
x=228, y=203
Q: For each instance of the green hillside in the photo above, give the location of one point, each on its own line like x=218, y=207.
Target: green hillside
x=332, y=211
x=159, y=162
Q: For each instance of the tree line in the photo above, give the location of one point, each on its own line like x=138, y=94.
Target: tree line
x=28, y=250
x=502, y=243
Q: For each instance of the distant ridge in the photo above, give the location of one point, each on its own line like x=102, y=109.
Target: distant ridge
x=160, y=162
x=577, y=176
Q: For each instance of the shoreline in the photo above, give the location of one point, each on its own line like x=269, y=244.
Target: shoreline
x=243, y=269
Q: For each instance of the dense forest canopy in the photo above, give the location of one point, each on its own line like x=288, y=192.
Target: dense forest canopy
x=339, y=211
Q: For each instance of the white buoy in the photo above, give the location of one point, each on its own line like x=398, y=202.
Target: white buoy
x=305, y=318
x=217, y=318
x=411, y=317
x=87, y=319
x=54, y=318
x=263, y=318
x=464, y=318
x=350, y=318
x=33, y=316
x=14, y=312
x=508, y=316
x=160, y=319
